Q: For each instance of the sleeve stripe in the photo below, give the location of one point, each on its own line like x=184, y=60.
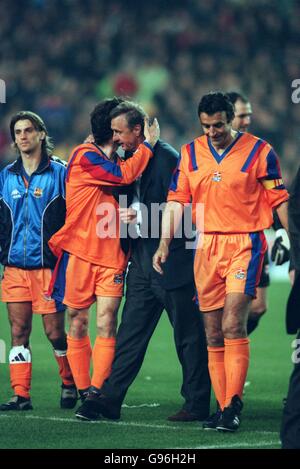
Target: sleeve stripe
x=273, y=168
x=190, y=148
x=253, y=155
x=174, y=180
x=101, y=168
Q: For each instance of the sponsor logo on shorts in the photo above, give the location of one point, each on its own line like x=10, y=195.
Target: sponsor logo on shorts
x=38, y=192
x=16, y=194
x=118, y=279
x=217, y=176
x=240, y=274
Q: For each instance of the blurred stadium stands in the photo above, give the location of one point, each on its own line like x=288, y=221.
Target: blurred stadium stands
x=59, y=57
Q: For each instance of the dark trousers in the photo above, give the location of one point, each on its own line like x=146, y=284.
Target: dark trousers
x=290, y=426
x=145, y=302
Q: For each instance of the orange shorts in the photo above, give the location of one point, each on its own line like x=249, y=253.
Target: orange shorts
x=77, y=282
x=19, y=285
x=227, y=263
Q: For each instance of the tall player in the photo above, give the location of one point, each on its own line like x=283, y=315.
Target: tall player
x=258, y=306
x=236, y=176
x=32, y=209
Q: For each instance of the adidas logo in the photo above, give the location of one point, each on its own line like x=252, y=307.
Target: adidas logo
x=19, y=358
x=236, y=421
x=16, y=194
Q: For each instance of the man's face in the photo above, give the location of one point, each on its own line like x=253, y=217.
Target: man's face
x=216, y=128
x=128, y=138
x=27, y=138
x=242, y=117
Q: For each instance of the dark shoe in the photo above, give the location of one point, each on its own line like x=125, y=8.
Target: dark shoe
x=230, y=418
x=83, y=394
x=17, y=403
x=68, y=398
x=89, y=410
x=184, y=416
x=212, y=421
x=109, y=408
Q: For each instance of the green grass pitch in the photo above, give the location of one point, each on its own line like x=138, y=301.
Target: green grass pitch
x=153, y=396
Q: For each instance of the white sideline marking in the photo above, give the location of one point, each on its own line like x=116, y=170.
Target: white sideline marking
x=261, y=444
x=127, y=406
x=126, y=424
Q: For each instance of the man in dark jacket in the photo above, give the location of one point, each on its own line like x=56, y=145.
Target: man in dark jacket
x=148, y=294
x=32, y=208
x=290, y=427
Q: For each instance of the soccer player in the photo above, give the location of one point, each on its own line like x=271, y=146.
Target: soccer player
x=258, y=306
x=236, y=176
x=147, y=294
x=92, y=263
x=32, y=208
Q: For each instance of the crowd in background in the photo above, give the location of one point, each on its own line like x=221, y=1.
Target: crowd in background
x=59, y=57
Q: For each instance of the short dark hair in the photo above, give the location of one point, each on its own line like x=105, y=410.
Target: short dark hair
x=100, y=119
x=235, y=96
x=216, y=101
x=39, y=125
x=134, y=113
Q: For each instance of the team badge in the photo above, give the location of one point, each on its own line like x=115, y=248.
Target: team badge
x=217, y=176
x=240, y=274
x=38, y=192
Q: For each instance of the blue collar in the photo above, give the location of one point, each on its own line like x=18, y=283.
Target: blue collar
x=215, y=154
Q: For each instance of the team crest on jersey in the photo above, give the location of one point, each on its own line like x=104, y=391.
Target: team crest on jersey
x=16, y=194
x=118, y=278
x=38, y=192
x=217, y=176
x=240, y=274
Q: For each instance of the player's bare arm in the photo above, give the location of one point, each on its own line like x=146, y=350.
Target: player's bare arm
x=171, y=218
x=282, y=211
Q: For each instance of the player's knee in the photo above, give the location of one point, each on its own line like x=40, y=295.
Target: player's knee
x=20, y=333
x=234, y=331
x=78, y=322
x=107, y=329
x=107, y=321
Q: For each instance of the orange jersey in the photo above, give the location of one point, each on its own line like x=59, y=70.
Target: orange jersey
x=90, y=231
x=238, y=188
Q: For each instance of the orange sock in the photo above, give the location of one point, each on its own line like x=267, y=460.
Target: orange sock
x=217, y=373
x=20, y=370
x=79, y=357
x=236, y=361
x=103, y=355
x=64, y=367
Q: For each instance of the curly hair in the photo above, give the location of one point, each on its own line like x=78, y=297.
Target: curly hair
x=216, y=101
